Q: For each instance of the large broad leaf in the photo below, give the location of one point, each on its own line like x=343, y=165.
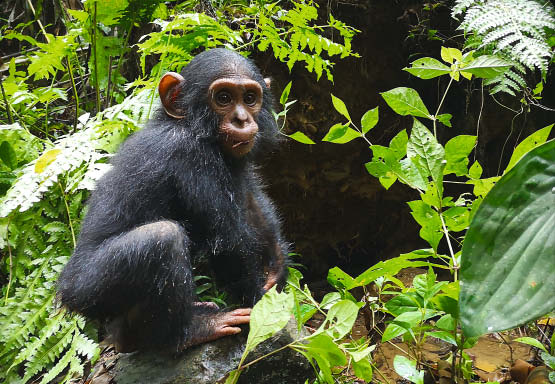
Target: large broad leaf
x=508, y=257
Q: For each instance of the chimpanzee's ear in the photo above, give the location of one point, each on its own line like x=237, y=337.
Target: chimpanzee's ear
x=169, y=88
x=268, y=82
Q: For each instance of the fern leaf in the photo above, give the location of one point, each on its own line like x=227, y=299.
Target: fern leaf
x=516, y=30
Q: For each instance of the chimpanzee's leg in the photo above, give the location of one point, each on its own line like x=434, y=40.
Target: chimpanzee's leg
x=142, y=280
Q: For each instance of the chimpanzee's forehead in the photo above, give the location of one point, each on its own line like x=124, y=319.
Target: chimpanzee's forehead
x=220, y=63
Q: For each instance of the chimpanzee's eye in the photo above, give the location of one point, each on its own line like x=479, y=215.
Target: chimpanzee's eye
x=223, y=98
x=250, y=98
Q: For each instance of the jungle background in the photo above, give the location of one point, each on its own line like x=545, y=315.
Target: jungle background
x=64, y=62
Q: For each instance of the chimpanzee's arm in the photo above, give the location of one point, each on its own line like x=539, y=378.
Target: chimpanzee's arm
x=276, y=249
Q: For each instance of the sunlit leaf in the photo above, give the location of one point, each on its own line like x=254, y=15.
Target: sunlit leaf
x=369, y=120
x=457, y=151
x=301, y=138
x=268, y=316
x=427, y=68
x=407, y=369
x=535, y=139
x=340, y=107
x=285, y=94
x=451, y=55
x=406, y=101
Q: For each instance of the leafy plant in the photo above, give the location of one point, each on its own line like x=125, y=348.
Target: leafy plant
x=515, y=30
x=326, y=348
x=421, y=162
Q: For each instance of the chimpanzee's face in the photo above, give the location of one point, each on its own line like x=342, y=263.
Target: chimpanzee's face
x=237, y=101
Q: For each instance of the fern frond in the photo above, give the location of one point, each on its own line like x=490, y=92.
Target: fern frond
x=513, y=29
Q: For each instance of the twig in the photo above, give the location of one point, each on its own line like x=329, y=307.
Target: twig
x=8, y=108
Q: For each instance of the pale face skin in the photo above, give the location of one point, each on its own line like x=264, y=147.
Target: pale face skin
x=237, y=100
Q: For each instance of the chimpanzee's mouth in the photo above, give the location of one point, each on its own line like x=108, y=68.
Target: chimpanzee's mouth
x=240, y=143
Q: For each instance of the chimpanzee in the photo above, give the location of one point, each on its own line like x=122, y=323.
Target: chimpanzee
x=186, y=184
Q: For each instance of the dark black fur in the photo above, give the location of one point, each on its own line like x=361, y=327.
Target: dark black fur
x=170, y=195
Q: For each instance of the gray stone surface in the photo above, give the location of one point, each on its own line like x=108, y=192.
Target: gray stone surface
x=210, y=363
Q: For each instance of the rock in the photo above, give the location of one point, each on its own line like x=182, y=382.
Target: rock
x=211, y=362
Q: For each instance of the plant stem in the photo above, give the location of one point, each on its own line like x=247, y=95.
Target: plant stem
x=75, y=96
x=95, y=44
x=10, y=256
x=38, y=21
x=446, y=232
x=108, y=98
x=440, y=104
x=375, y=369
x=68, y=214
x=8, y=108
x=266, y=355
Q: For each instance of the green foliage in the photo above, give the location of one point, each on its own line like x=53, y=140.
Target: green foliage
x=289, y=32
x=406, y=368
x=326, y=348
x=515, y=30
x=507, y=268
x=509, y=234
x=39, y=220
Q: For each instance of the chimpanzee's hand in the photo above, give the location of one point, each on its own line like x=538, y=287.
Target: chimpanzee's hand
x=214, y=326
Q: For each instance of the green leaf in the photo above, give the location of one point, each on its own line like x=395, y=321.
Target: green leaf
x=406, y=101
x=531, y=341
x=446, y=322
x=424, y=150
x=483, y=186
x=369, y=120
x=304, y=312
x=8, y=155
x=457, y=151
x=268, y=316
x=430, y=221
x=548, y=359
x=487, y=66
x=339, y=279
x=387, y=267
x=341, y=317
x=445, y=119
x=340, y=134
x=348, y=136
x=329, y=300
x=327, y=354
x=475, y=170
x=443, y=335
x=301, y=138
x=340, y=107
x=399, y=144
x=535, y=139
x=457, y=218
x=404, y=302
x=427, y=68
x=406, y=368
x=507, y=256
x=285, y=94
x=451, y=55
x=363, y=369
